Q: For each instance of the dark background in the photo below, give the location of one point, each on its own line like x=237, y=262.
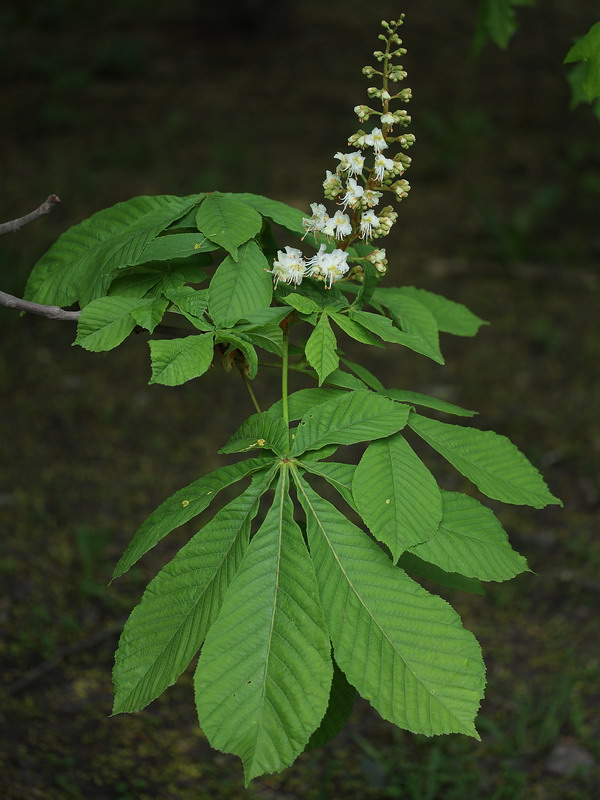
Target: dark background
x=101, y=102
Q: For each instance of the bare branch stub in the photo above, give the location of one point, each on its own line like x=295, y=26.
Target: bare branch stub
x=14, y=225
x=51, y=312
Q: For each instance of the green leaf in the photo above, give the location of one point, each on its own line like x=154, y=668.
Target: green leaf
x=471, y=541
x=106, y=322
x=182, y=506
x=341, y=703
x=354, y=330
x=384, y=328
x=418, y=399
x=175, y=361
x=228, y=221
x=264, y=674
x=269, y=337
x=302, y=304
x=451, y=317
x=263, y=316
x=317, y=455
x=188, y=220
x=304, y=399
x=368, y=286
x=363, y=373
x=241, y=287
x=491, y=461
x=404, y=649
x=452, y=580
x=192, y=301
x=134, y=283
x=284, y=215
x=354, y=417
x=264, y=430
x=342, y=379
x=151, y=280
x=176, y=245
x=320, y=349
x=396, y=495
x=587, y=49
x=166, y=629
x=244, y=346
x=338, y=475
x=325, y=298
x=417, y=322
x=80, y=265
x=149, y=314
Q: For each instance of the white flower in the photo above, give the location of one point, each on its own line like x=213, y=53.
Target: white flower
x=376, y=140
x=383, y=165
x=354, y=191
x=343, y=159
x=371, y=198
x=387, y=119
x=289, y=266
x=356, y=162
x=338, y=225
x=319, y=218
x=368, y=221
x=331, y=267
x=351, y=162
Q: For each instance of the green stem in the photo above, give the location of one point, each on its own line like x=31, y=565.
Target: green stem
x=284, y=381
x=248, y=384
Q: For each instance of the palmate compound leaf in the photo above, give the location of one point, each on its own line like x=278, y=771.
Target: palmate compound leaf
x=175, y=361
x=490, y=460
x=241, y=287
x=471, y=541
x=228, y=221
x=396, y=495
x=263, y=430
x=403, y=648
x=264, y=674
x=355, y=417
x=320, y=349
x=80, y=265
x=183, y=506
x=180, y=604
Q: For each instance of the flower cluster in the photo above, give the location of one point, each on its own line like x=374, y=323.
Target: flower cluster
x=290, y=266
x=362, y=176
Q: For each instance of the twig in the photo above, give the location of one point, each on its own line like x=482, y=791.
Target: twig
x=51, y=312
x=248, y=386
x=63, y=652
x=14, y=225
